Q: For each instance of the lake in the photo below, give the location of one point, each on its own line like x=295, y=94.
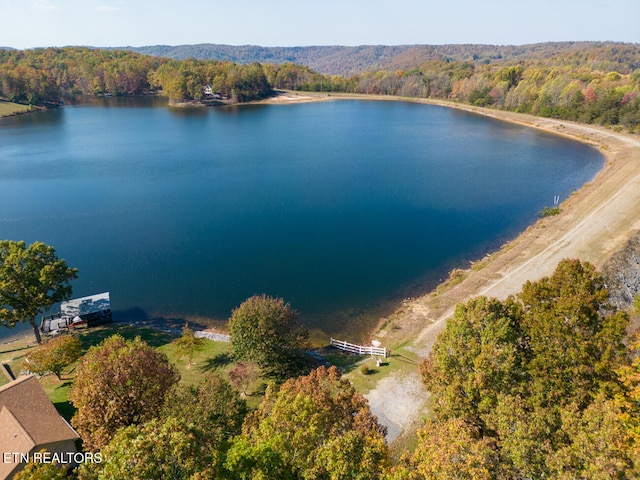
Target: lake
x=341, y=208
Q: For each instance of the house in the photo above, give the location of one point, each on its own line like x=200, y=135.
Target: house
x=29, y=423
x=208, y=91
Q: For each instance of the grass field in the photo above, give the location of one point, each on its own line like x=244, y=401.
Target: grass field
x=8, y=108
x=214, y=357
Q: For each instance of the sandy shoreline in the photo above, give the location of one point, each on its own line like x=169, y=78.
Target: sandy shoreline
x=594, y=223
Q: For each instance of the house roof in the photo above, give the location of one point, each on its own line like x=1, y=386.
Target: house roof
x=28, y=418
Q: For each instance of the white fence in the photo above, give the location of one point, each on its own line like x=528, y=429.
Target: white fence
x=216, y=337
x=360, y=350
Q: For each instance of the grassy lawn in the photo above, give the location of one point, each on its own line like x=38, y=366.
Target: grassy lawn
x=214, y=357
x=399, y=361
x=8, y=108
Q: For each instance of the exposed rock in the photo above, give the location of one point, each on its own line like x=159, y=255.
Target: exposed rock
x=622, y=274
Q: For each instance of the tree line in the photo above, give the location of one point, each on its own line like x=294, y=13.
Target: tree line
x=350, y=61
x=561, y=91
x=578, y=84
x=49, y=76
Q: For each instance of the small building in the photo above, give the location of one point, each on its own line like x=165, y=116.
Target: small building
x=90, y=311
x=208, y=91
x=29, y=423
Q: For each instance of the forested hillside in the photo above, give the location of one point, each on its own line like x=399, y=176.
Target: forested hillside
x=349, y=61
x=51, y=75
x=586, y=82
x=330, y=60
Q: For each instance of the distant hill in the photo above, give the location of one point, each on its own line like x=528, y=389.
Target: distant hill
x=347, y=61
x=333, y=60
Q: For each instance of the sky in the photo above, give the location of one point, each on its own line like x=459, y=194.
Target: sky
x=112, y=23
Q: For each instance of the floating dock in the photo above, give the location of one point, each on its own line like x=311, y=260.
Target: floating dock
x=90, y=311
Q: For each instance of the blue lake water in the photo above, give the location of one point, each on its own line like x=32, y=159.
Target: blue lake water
x=342, y=208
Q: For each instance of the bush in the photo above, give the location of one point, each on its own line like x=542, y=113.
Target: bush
x=549, y=212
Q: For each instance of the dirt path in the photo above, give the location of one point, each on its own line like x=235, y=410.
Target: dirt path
x=594, y=223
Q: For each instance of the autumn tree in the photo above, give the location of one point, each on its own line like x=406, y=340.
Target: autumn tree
x=243, y=375
x=188, y=441
x=451, y=449
x=575, y=337
x=478, y=356
x=119, y=383
x=314, y=426
x=160, y=448
x=540, y=375
x=32, y=279
x=54, y=356
x=188, y=344
x=629, y=402
x=265, y=330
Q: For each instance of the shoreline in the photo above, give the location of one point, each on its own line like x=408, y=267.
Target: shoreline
x=419, y=311
x=594, y=223
x=578, y=231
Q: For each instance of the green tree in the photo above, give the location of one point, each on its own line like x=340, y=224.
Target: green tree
x=543, y=376
x=479, y=356
x=525, y=435
x=159, y=449
x=265, y=330
x=54, y=356
x=32, y=279
x=188, y=344
x=596, y=445
x=314, y=426
x=213, y=409
x=575, y=338
x=119, y=383
x=42, y=471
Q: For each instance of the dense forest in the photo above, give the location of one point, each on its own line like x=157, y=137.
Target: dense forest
x=52, y=75
x=586, y=82
x=590, y=82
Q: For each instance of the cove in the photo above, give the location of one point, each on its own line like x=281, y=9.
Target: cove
x=341, y=208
